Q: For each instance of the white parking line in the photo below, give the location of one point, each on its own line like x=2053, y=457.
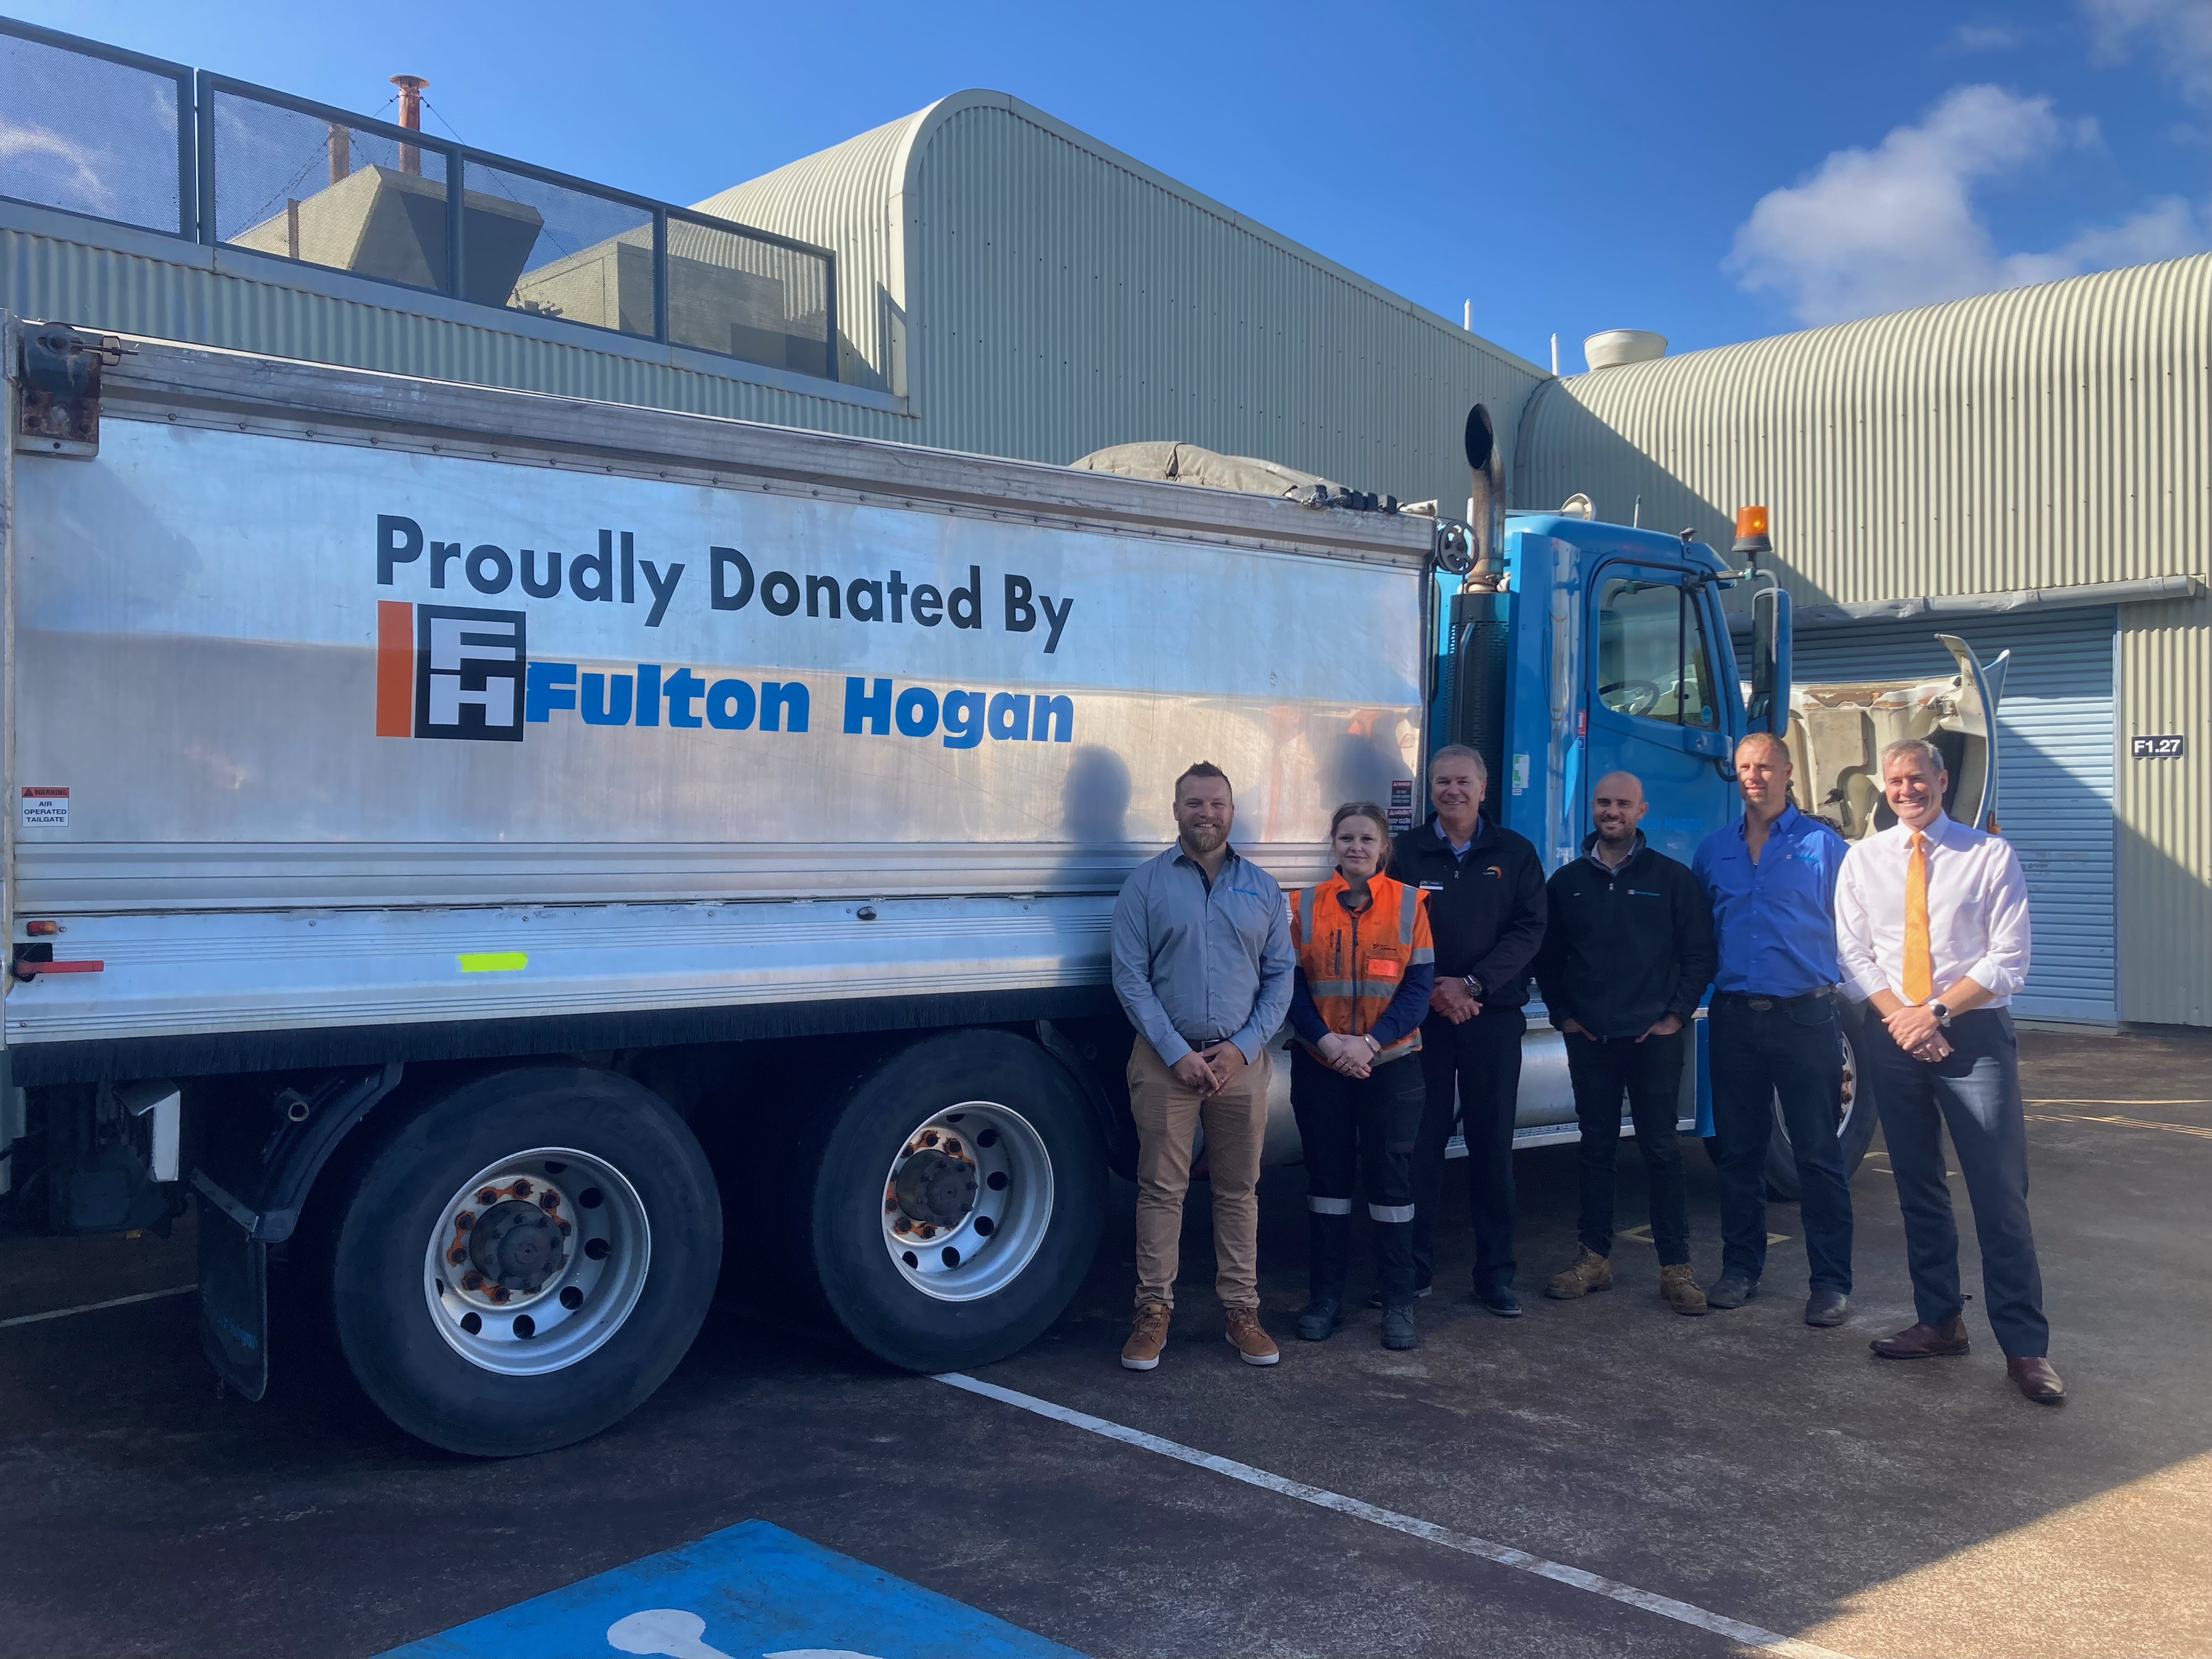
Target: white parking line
x=1505, y=1556
x=94, y=1307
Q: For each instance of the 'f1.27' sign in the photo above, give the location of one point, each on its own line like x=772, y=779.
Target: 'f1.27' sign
x=2171, y=746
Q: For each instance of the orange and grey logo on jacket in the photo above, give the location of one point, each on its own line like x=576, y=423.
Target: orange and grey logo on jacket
x=1354, y=963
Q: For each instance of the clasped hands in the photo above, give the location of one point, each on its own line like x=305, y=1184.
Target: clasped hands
x=1916, y=1029
x=1210, y=1071
x=1353, y=1056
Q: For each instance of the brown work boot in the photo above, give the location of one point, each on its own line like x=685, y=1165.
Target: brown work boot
x=1923, y=1341
x=2033, y=1377
x=1680, y=1291
x=1591, y=1272
x=1253, y=1345
x=1141, y=1352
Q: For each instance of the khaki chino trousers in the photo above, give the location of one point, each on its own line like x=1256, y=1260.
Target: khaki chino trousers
x=1236, y=1121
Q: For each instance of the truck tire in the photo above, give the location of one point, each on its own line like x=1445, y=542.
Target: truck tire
x=1854, y=1125
x=958, y=1201
x=522, y=1263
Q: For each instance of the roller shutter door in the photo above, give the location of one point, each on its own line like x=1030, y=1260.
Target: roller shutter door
x=2055, y=776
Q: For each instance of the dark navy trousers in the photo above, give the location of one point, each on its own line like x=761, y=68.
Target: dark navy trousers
x=1790, y=1054
x=1975, y=1091
x=1472, y=1072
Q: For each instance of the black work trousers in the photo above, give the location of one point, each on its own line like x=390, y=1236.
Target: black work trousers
x=1650, y=1073
x=1472, y=1072
x=1790, y=1055
x=1975, y=1091
x=1358, y=1131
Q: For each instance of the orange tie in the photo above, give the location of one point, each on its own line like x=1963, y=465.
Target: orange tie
x=1919, y=959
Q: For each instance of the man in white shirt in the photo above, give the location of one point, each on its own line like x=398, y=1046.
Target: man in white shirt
x=1931, y=928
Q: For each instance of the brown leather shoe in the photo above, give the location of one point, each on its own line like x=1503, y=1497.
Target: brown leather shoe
x=1253, y=1345
x=1681, y=1290
x=1924, y=1341
x=1590, y=1272
x=2033, y=1377
x=1141, y=1352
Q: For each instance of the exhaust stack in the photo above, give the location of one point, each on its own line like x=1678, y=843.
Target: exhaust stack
x=410, y=117
x=1486, y=504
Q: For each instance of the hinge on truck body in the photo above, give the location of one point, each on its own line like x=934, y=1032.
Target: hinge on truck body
x=59, y=377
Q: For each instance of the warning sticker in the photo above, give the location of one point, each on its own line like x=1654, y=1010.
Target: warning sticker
x=45, y=806
x=1402, y=804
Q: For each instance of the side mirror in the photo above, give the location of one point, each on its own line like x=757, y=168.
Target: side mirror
x=1769, y=708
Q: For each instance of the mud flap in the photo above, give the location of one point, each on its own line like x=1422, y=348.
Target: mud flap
x=234, y=1299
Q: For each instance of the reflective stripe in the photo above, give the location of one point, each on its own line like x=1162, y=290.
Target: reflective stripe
x=1407, y=911
x=1423, y=957
x=1305, y=913
x=1329, y=988
x=1388, y=1211
x=1334, y=1206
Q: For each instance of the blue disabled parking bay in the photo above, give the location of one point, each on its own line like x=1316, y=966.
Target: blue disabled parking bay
x=750, y=1591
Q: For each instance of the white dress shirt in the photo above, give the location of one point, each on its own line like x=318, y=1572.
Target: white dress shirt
x=1977, y=912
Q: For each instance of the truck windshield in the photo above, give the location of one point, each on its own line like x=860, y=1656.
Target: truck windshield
x=1652, y=661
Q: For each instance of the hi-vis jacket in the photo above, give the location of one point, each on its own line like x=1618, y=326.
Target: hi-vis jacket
x=1361, y=973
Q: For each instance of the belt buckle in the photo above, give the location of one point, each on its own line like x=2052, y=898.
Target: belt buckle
x=1761, y=1005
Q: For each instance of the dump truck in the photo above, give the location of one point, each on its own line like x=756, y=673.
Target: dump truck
x=512, y=864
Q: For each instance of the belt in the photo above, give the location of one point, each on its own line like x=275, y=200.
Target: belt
x=1761, y=1005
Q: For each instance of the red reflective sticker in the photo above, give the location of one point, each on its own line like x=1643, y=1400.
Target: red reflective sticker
x=1381, y=967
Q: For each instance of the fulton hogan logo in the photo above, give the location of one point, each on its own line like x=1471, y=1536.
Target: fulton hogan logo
x=445, y=670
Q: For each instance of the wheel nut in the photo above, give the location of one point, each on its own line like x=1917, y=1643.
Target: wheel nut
x=456, y=1255
x=464, y=1220
x=489, y=1195
x=498, y=1292
x=472, y=1281
x=523, y=1189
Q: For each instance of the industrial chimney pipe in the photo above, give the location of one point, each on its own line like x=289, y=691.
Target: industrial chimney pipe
x=410, y=117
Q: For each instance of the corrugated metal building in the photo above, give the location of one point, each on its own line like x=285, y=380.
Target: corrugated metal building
x=2033, y=463
x=1006, y=284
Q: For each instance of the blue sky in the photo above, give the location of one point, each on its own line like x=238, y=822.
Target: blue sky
x=1715, y=171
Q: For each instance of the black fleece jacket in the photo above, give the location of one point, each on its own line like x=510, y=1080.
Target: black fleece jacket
x=1625, y=947
x=1485, y=910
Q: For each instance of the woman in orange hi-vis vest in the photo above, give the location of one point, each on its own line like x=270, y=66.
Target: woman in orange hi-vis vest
x=1365, y=969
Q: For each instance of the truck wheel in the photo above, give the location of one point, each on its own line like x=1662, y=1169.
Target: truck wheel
x=958, y=1201
x=523, y=1262
x=1854, y=1124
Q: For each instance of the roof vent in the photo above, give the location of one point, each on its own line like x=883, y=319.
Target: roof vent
x=1616, y=346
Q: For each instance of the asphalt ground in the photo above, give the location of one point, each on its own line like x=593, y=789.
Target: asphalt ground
x=1742, y=1463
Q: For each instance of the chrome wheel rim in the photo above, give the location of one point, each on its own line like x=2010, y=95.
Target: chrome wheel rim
x=967, y=1202
x=537, y=1261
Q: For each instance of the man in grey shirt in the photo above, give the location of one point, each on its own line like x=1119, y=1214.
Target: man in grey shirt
x=1203, y=966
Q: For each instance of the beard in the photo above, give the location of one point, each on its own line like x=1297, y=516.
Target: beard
x=1204, y=837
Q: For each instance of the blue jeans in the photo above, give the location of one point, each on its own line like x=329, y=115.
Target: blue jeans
x=1792, y=1052
x=1975, y=1090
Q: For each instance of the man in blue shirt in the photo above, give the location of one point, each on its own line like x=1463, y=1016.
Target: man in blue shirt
x=1774, y=1030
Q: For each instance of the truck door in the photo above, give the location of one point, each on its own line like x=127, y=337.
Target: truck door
x=1654, y=704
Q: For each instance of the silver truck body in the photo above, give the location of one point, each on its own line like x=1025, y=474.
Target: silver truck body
x=337, y=732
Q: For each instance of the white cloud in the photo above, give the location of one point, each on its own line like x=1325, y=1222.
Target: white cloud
x=78, y=185
x=2178, y=33
x=1984, y=37
x=2166, y=229
x=1896, y=226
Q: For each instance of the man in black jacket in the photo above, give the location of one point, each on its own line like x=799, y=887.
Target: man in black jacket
x=1485, y=890
x=1628, y=951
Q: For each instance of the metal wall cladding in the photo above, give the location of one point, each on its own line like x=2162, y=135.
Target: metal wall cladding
x=1065, y=298
x=2166, y=812
x=2041, y=437
x=2038, y=437
x=1036, y=293
x=92, y=286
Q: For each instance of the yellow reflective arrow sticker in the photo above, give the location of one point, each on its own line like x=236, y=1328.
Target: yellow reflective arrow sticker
x=494, y=961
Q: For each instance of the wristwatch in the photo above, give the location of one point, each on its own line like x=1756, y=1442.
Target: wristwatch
x=1373, y=1046
x=1942, y=1014
x=1474, y=986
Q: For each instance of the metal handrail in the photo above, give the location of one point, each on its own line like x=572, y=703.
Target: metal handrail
x=195, y=177
x=188, y=206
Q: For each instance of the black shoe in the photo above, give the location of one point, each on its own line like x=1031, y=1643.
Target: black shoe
x=1827, y=1308
x=1499, y=1299
x=1375, y=1300
x=1398, y=1330
x=1321, y=1320
x=1731, y=1290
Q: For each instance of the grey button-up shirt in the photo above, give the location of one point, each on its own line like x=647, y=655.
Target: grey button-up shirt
x=1193, y=964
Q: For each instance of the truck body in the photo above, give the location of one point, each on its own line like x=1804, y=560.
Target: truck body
x=516, y=862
